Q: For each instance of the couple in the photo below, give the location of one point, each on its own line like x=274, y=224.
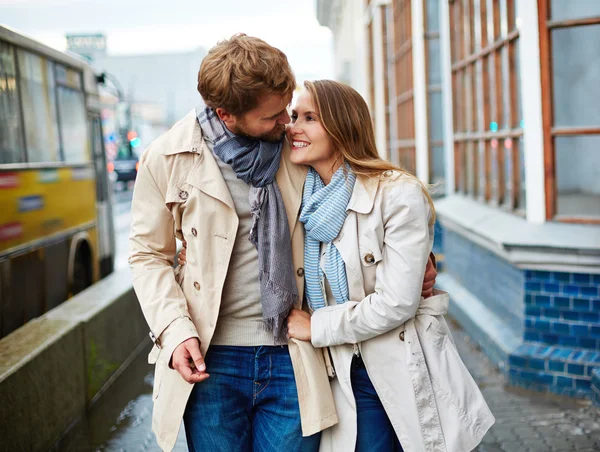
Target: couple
x=304, y=274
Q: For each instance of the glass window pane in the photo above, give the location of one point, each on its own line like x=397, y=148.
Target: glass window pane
x=576, y=68
x=436, y=116
x=495, y=171
x=471, y=170
x=39, y=108
x=578, y=176
x=481, y=161
x=76, y=145
x=68, y=77
x=438, y=169
x=508, y=173
x=433, y=15
x=434, y=63
x=569, y=9
x=519, y=112
x=12, y=149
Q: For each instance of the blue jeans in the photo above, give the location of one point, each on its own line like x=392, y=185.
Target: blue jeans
x=375, y=432
x=249, y=403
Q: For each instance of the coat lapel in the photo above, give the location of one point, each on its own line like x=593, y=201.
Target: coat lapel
x=347, y=244
x=205, y=175
x=361, y=202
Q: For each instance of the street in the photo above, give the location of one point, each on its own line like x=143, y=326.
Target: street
x=525, y=420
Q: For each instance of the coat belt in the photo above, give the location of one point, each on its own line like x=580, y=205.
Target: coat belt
x=419, y=374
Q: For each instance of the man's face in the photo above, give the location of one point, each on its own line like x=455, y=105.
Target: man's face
x=266, y=122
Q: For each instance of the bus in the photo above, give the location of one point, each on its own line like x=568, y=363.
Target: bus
x=56, y=225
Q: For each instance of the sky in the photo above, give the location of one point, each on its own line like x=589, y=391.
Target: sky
x=159, y=26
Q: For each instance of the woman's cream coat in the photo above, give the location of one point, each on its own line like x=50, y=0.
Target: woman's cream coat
x=431, y=399
x=180, y=192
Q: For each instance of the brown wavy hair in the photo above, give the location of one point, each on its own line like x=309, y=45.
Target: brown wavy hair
x=238, y=71
x=346, y=119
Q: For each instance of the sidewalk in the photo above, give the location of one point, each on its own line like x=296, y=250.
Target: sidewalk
x=525, y=420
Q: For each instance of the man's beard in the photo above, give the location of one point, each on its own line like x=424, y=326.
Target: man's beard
x=273, y=136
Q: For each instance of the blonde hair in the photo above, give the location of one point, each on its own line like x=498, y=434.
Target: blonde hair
x=238, y=71
x=346, y=119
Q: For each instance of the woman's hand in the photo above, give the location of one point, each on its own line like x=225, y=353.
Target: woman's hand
x=298, y=323
x=429, y=279
x=182, y=254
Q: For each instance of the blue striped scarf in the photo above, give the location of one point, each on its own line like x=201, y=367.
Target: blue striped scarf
x=323, y=214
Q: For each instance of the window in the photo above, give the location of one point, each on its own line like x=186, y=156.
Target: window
x=38, y=93
x=12, y=149
x=488, y=124
x=435, y=109
x=570, y=64
x=404, y=146
x=71, y=108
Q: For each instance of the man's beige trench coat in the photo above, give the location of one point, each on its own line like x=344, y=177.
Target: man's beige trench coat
x=180, y=192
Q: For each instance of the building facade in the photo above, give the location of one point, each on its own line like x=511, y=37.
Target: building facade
x=494, y=102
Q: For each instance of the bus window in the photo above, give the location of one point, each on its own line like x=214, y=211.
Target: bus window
x=99, y=159
x=12, y=149
x=39, y=107
x=72, y=113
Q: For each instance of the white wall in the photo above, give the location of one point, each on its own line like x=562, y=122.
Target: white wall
x=350, y=44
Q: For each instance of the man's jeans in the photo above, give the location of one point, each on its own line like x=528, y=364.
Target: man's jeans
x=375, y=432
x=249, y=403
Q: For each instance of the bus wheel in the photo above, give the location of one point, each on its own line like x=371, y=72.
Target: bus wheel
x=82, y=269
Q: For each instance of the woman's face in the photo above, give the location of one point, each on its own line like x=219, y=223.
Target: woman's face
x=310, y=143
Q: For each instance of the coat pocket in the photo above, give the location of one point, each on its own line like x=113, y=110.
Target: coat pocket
x=434, y=330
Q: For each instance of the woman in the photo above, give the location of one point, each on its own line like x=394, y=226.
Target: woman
x=400, y=383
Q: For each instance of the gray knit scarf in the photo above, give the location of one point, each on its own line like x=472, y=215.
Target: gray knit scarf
x=256, y=163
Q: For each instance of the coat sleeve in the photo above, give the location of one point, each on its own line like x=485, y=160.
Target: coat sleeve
x=152, y=253
x=399, y=275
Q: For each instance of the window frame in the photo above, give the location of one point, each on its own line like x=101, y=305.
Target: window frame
x=61, y=161
x=550, y=132
x=483, y=61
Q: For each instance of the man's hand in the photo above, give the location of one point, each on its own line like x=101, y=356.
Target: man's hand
x=299, y=325
x=181, y=258
x=429, y=279
x=188, y=361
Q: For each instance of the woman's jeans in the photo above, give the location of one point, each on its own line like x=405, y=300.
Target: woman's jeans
x=375, y=432
x=249, y=403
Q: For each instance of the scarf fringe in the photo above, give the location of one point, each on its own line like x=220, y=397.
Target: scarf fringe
x=277, y=323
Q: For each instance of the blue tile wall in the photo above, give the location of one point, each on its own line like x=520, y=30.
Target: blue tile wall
x=556, y=313
x=488, y=277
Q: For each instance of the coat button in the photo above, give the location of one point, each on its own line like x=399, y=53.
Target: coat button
x=388, y=173
x=196, y=285
x=369, y=258
x=194, y=232
x=183, y=194
x=300, y=272
x=402, y=336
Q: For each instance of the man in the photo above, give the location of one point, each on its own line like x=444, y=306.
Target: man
x=220, y=177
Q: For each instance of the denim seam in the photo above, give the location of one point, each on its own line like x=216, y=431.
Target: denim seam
x=268, y=381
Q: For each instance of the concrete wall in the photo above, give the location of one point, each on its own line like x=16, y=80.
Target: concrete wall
x=53, y=368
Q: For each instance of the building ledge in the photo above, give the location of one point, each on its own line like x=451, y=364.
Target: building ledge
x=549, y=246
